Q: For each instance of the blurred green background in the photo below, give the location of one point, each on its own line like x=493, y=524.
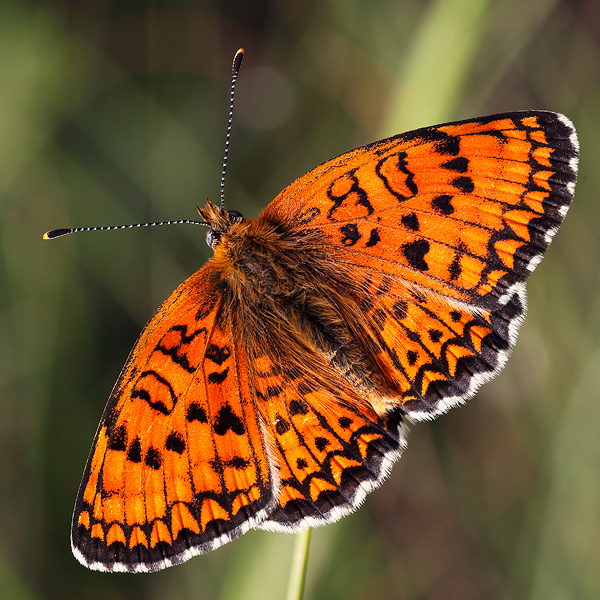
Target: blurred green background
x=115, y=112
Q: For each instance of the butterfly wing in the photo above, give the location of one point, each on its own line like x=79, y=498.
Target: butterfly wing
x=331, y=449
x=440, y=228
x=179, y=464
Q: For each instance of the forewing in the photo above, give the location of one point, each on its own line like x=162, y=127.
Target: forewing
x=436, y=232
x=179, y=465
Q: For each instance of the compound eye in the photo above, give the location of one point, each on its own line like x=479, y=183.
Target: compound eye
x=234, y=215
x=211, y=238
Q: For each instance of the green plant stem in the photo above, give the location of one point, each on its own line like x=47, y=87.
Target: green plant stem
x=298, y=570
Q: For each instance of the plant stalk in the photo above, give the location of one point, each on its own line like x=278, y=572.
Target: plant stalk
x=298, y=571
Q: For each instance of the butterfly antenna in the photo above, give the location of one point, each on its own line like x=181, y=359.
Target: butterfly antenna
x=237, y=63
x=54, y=233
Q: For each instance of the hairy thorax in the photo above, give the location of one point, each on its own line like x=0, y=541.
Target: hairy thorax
x=283, y=294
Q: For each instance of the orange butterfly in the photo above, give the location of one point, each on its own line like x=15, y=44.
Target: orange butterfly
x=272, y=388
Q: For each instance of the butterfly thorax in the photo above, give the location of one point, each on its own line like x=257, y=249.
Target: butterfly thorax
x=288, y=303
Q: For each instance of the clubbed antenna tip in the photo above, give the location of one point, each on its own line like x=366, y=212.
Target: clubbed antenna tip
x=54, y=233
x=237, y=61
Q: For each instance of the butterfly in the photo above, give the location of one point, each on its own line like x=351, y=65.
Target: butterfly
x=273, y=388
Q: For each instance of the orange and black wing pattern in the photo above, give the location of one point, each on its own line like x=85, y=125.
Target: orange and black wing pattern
x=206, y=435
x=331, y=449
x=440, y=228
x=179, y=464
x=271, y=389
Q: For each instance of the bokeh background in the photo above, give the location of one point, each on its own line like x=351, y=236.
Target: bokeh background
x=115, y=112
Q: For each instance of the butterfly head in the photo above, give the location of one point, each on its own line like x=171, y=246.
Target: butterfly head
x=219, y=221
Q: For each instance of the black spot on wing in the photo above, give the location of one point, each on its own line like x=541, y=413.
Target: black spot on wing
x=218, y=377
x=305, y=217
x=298, y=407
x=227, y=420
x=357, y=194
x=153, y=459
x=415, y=253
x=449, y=145
x=443, y=205
x=118, y=441
x=455, y=268
x=281, y=425
x=435, y=335
x=196, y=413
x=237, y=462
x=321, y=443
x=350, y=234
x=273, y=391
x=374, y=238
x=156, y=381
x=385, y=285
x=411, y=222
x=400, y=165
x=134, y=454
x=410, y=178
x=344, y=422
x=464, y=184
x=175, y=442
x=460, y=165
x=218, y=355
